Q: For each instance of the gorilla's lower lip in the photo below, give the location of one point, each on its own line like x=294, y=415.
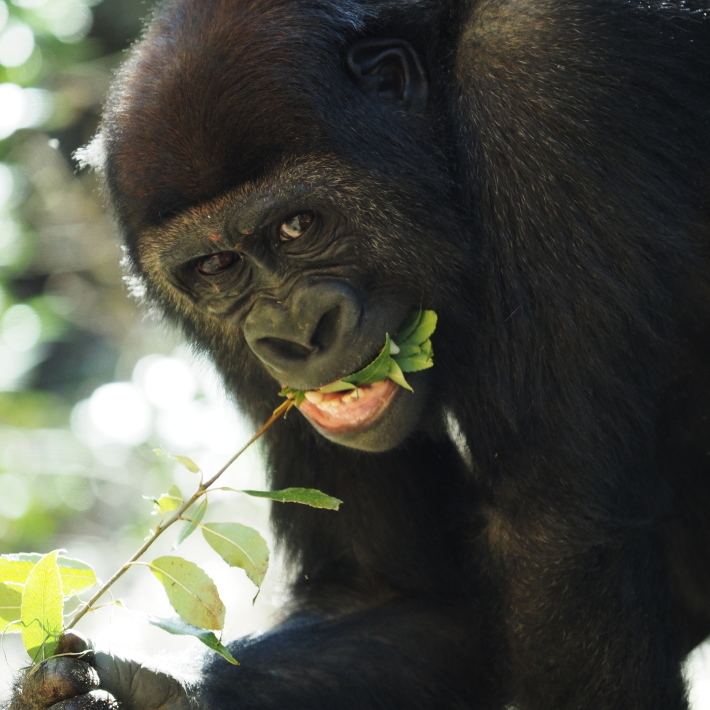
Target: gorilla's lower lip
x=350, y=411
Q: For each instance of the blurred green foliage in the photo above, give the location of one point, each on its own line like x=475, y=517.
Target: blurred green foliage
x=66, y=326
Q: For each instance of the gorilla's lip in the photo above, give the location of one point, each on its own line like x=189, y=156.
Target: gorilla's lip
x=350, y=411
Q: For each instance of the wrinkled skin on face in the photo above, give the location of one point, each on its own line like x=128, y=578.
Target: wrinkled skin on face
x=288, y=275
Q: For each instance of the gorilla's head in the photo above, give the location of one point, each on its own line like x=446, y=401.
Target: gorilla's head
x=286, y=200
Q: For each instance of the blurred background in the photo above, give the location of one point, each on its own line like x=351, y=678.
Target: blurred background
x=89, y=386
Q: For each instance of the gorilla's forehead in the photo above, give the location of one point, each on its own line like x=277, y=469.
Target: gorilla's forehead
x=191, y=117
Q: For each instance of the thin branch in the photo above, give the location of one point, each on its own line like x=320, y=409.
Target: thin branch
x=281, y=410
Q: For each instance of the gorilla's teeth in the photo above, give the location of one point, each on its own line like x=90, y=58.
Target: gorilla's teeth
x=315, y=397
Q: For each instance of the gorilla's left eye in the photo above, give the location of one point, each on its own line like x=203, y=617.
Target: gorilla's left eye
x=295, y=226
x=216, y=263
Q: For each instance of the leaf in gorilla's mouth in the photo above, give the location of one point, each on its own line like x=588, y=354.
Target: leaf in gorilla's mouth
x=358, y=399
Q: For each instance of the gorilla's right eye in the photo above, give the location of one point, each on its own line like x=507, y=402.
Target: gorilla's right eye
x=216, y=263
x=295, y=226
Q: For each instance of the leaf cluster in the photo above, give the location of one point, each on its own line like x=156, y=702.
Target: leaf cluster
x=410, y=350
x=34, y=588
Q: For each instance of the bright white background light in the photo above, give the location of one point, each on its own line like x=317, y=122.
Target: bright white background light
x=115, y=413
x=17, y=42
x=15, y=498
x=22, y=108
x=167, y=381
x=20, y=328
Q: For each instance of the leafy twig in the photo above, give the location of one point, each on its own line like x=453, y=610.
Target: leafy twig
x=161, y=527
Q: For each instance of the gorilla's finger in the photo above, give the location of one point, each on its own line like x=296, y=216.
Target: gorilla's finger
x=57, y=679
x=73, y=642
x=95, y=700
x=138, y=686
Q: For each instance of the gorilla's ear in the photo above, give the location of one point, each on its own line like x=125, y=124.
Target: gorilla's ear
x=389, y=70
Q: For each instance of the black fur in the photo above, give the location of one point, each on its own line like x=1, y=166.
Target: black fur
x=544, y=186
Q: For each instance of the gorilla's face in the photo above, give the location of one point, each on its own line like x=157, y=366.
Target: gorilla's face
x=287, y=225
x=288, y=281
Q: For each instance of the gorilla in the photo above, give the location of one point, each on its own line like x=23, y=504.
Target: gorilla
x=529, y=527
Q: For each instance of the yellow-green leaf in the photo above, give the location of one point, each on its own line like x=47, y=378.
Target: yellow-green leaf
x=421, y=360
x=41, y=609
x=185, y=461
x=171, y=500
x=190, y=525
x=297, y=395
x=395, y=374
x=10, y=600
x=178, y=626
x=417, y=328
x=306, y=496
x=76, y=575
x=410, y=350
x=190, y=591
x=239, y=546
x=376, y=371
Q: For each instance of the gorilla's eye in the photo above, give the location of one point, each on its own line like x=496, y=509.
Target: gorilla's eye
x=295, y=226
x=216, y=263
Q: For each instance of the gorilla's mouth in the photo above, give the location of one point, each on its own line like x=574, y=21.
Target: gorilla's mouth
x=350, y=411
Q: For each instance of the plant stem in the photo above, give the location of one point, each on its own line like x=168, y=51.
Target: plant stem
x=282, y=409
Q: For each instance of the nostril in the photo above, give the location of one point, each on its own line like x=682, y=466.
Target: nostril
x=285, y=349
x=326, y=331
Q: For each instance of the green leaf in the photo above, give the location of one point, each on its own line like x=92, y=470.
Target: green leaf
x=76, y=575
x=407, y=351
x=41, y=609
x=339, y=386
x=176, y=625
x=10, y=601
x=415, y=353
x=395, y=374
x=239, y=546
x=185, y=461
x=190, y=526
x=171, y=500
x=417, y=328
x=306, y=496
x=298, y=395
x=420, y=360
x=401, y=337
x=190, y=591
x=376, y=371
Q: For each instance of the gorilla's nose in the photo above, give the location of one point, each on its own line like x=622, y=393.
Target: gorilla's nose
x=303, y=338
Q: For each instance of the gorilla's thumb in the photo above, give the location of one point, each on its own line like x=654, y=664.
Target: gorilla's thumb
x=139, y=687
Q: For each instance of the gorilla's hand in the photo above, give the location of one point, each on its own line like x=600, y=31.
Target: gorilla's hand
x=88, y=680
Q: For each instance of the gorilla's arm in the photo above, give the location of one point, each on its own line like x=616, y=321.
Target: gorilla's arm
x=401, y=655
